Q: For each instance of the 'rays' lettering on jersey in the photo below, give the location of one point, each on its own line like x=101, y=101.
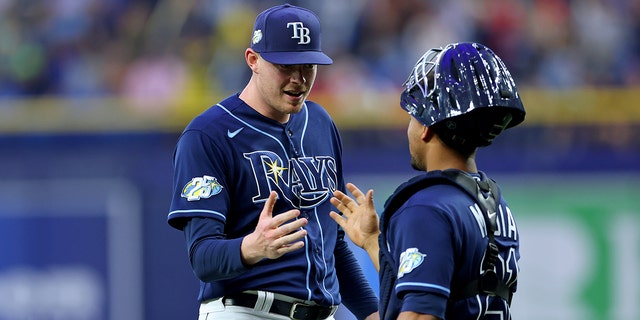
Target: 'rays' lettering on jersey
x=304, y=182
x=506, y=225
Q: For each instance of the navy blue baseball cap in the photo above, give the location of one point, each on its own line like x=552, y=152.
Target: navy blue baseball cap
x=288, y=34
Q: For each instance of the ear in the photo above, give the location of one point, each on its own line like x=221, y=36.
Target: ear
x=427, y=134
x=252, y=59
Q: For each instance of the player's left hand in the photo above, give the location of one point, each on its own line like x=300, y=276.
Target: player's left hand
x=273, y=236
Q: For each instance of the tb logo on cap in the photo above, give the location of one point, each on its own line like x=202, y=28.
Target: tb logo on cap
x=300, y=32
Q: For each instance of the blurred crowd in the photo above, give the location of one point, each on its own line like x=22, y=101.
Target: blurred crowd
x=167, y=49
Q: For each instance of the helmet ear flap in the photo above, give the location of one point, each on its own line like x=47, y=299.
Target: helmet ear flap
x=474, y=129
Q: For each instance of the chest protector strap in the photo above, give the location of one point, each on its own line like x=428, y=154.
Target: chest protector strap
x=487, y=195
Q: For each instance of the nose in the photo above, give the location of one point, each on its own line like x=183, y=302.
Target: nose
x=297, y=75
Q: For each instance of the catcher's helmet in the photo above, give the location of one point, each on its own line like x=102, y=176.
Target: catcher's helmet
x=465, y=92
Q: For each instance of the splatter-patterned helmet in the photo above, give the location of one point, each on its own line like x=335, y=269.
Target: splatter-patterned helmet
x=465, y=91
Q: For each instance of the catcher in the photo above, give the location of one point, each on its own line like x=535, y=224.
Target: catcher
x=446, y=245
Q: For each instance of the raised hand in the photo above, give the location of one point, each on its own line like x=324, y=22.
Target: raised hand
x=273, y=236
x=359, y=219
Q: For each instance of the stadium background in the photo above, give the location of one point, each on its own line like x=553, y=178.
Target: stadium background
x=93, y=95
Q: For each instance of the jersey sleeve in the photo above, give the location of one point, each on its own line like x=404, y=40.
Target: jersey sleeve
x=422, y=239
x=356, y=292
x=199, y=207
x=200, y=180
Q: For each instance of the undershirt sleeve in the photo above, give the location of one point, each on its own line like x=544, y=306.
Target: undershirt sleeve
x=357, y=294
x=212, y=256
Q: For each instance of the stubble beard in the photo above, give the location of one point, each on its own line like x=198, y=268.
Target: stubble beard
x=417, y=165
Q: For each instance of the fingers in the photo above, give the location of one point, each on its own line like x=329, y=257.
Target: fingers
x=281, y=218
x=338, y=200
x=274, y=235
x=282, y=229
x=267, y=210
x=359, y=196
x=290, y=241
x=369, y=199
x=346, y=204
x=340, y=220
x=275, y=222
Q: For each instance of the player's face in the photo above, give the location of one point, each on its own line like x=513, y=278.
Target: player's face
x=284, y=88
x=416, y=144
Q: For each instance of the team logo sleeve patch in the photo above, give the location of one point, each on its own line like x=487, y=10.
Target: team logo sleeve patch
x=409, y=260
x=201, y=188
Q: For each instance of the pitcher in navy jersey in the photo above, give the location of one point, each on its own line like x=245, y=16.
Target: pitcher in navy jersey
x=446, y=245
x=253, y=179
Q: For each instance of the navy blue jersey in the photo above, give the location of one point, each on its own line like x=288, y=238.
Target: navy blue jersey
x=227, y=161
x=436, y=241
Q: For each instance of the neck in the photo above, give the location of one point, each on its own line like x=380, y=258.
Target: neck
x=467, y=165
x=251, y=97
x=441, y=157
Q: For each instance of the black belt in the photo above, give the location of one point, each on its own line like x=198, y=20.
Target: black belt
x=293, y=310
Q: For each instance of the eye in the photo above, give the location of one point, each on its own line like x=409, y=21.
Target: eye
x=293, y=66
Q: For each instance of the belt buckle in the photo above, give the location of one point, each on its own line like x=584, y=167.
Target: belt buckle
x=293, y=310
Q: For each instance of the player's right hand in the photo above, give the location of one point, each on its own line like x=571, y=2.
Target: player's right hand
x=359, y=218
x=273, y=236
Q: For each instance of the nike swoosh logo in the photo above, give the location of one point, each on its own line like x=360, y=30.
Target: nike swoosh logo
x=232, y=134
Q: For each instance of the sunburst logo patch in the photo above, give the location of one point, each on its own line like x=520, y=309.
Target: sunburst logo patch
x=409, y=260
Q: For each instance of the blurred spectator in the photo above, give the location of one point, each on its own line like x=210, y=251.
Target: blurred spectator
x=134, y=48
x=154, y=82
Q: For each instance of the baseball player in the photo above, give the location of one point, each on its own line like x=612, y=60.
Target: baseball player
x=253, y=179
x=446, y=244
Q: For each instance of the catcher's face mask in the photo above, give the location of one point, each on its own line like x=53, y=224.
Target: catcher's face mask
x=418, y=88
